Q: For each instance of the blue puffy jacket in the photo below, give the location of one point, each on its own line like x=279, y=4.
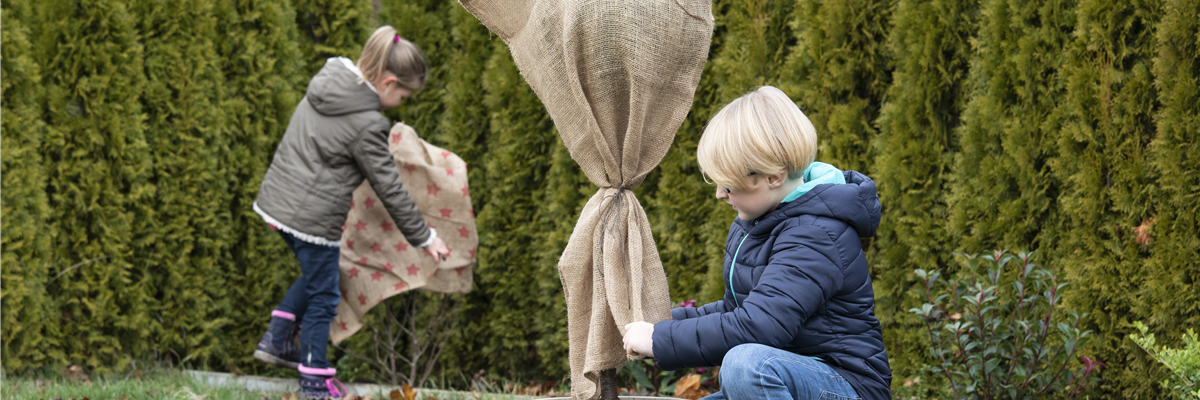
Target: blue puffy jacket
x=801, y=284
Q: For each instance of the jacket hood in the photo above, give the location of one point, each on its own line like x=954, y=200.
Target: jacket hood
x=854, y=202
x=337, y=90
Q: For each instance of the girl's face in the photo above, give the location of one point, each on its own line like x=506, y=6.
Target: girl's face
x=763, y=196
x=391, y=94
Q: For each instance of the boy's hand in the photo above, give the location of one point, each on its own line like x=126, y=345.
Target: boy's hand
x=639, y=338
x=437, y=250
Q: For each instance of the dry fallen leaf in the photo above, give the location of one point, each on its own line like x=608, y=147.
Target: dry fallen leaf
x=395, y=395
x=351, y=396
x=75, y=373
x=688, y=388
x=409, y=393
x=290, y=396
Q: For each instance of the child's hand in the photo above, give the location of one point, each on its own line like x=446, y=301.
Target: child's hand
x=639, y=338
x=437, y=250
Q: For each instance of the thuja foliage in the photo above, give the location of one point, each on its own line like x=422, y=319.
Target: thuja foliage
x=520, y=140
x=1171, y=298
x=186, y=130
x=29, y=339
x=331, y=28
x=838, y=73
x=1002, y=333
x=1184, y=363
x=916, y=146
x=99, y=185
x=1003, y=190
x=1104, y=173
x=264, y=76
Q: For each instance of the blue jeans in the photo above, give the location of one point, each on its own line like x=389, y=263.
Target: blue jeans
x=313, y=298
x=755, y=371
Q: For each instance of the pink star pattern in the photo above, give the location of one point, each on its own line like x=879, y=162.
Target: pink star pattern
x=380, y=263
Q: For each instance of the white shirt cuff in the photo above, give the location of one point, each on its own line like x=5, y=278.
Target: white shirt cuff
x=432, y=236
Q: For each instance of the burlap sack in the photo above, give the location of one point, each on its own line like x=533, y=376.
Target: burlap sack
x=377, y=262
x=618, y=78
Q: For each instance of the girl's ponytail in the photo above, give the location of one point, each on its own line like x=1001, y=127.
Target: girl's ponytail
x=387, y=51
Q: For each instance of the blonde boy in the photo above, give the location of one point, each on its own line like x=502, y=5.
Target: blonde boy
x=797, y=320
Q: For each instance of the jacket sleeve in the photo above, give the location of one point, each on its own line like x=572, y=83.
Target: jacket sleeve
x=682, y=313
x=803, y=273
x=370, y=152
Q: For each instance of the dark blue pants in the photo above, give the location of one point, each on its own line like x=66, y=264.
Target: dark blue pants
x=313, y=298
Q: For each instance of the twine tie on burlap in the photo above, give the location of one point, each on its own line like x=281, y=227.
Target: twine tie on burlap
x=605, y=228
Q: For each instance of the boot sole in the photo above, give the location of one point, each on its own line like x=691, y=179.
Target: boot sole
x=271, y=359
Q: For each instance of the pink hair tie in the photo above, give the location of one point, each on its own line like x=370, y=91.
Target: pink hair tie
x=396, y=39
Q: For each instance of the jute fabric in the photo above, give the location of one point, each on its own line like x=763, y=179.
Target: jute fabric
x=617, y=78
x=377, y=262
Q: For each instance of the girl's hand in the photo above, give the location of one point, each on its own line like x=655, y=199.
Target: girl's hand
x=639, y=338
x=437, y=250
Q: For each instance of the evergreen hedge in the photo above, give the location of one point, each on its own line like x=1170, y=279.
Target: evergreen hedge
x=27, y=338
x=136, y=132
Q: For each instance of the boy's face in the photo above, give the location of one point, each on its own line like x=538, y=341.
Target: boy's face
x=760, y=198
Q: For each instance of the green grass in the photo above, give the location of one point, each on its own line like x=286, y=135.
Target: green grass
x=172, y=384
x=164, y=384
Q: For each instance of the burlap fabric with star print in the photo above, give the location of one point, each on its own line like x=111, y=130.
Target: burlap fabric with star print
x=618, y=79
x=377, y=262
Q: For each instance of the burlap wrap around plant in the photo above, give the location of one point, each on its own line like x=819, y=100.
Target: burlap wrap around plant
x=618, y=78
x=377, y=262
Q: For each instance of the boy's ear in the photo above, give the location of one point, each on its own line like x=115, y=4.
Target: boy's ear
x=776, y=180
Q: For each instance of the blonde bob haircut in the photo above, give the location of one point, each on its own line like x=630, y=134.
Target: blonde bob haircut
x=763, y=133
x=386, y=51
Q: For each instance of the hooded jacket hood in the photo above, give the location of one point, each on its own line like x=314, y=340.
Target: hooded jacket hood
x=856, y=203
x=340, y=89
